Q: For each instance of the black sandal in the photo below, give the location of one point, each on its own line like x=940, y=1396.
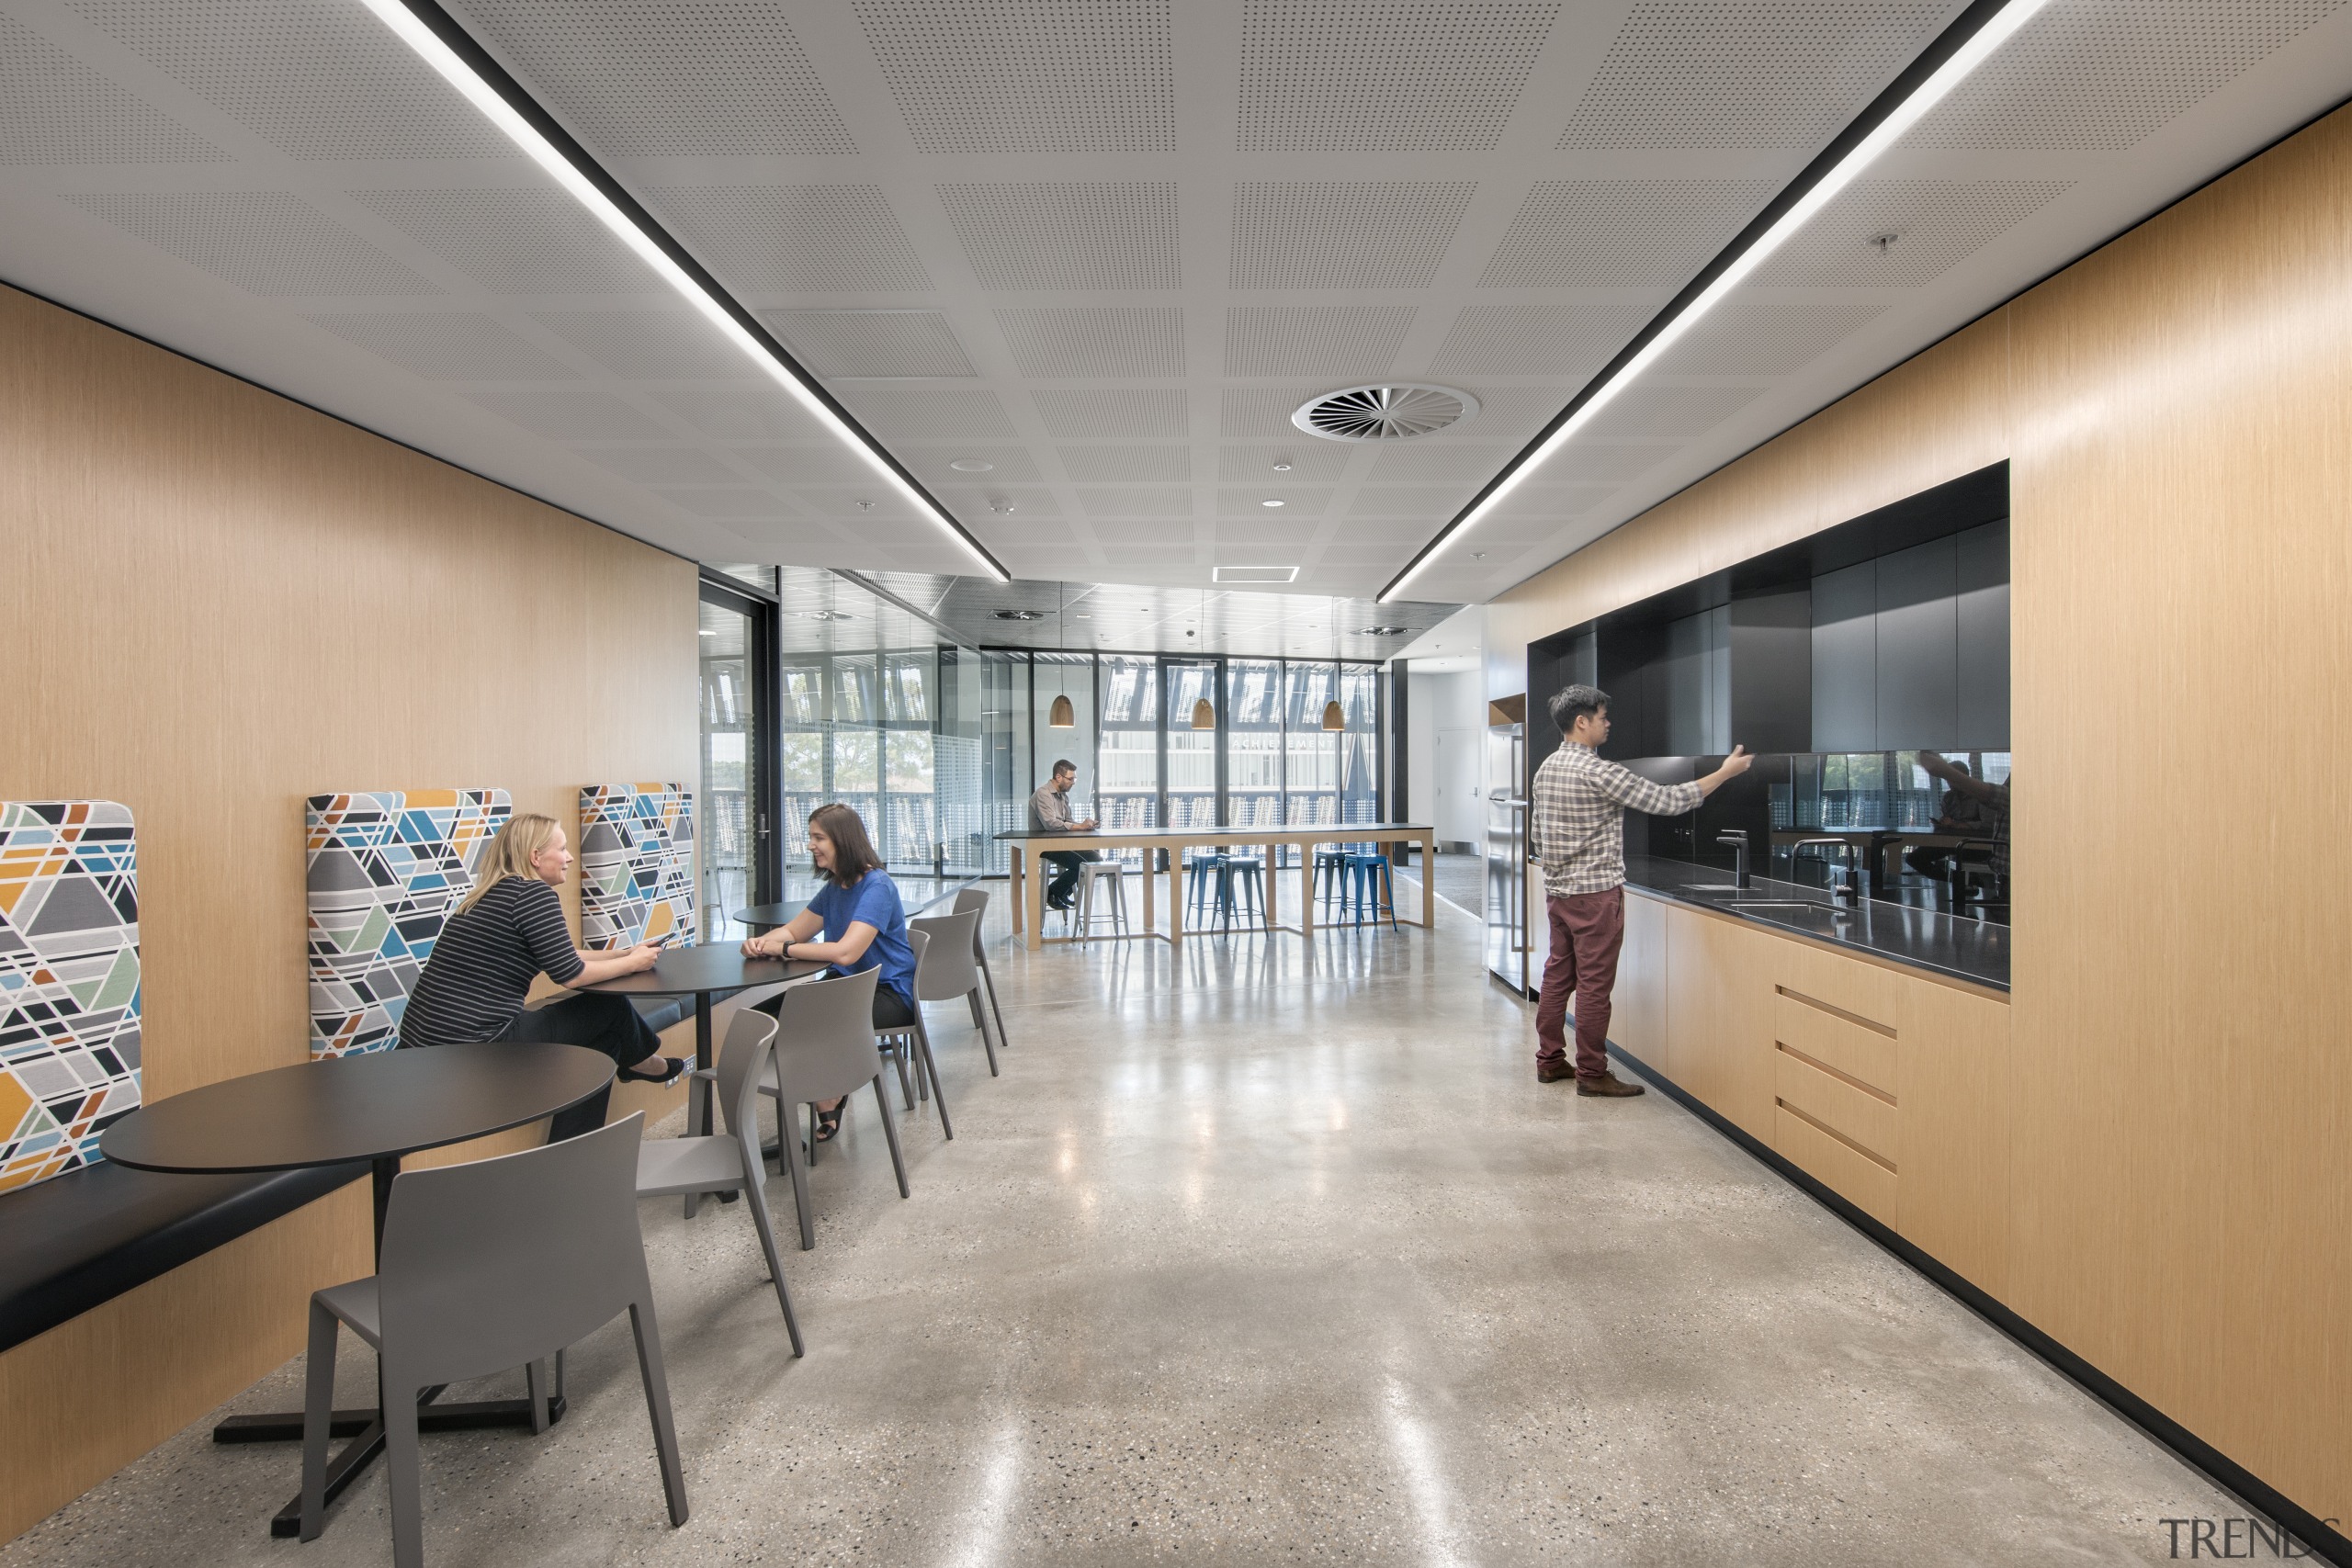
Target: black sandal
x=675, y=1065
x=829, y=1122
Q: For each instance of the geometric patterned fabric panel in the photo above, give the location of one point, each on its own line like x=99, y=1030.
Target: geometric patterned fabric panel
x=68, y=983
x=385, y=870
x=637, y=863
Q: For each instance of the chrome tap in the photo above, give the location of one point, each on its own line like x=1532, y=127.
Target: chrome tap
x=1737, y=838
x=1853, y=883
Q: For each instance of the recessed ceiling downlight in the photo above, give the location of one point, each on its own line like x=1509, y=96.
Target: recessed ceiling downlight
x=1399, y=412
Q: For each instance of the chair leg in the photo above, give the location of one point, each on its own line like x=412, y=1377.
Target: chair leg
x=642, y=1323
x=401, y=1476
x=318, y=1415
x=757, y=1201
x=535, y=1388
x=890, y=1131
x=792, y=1163
x=973, y=996
x=898, y=1051
x=811, y=1134
x=994, y=1007
x=931, y=1065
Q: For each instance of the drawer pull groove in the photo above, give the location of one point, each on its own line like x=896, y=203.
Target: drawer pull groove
x=1818, y=1125
x=1853, y=1017
x=1847, y=1079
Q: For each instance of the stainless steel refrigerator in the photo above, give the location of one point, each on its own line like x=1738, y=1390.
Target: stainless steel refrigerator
x=1505, y=787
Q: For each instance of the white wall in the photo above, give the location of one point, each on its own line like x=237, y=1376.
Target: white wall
x=1445, y=726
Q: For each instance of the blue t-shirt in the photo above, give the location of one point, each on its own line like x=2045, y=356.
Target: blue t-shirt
x=875, y=900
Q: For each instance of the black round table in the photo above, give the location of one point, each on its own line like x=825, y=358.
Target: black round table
x=710, y=969
x=764, y=918
x=376, y=1107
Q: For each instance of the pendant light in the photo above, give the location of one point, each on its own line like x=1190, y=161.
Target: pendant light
x=1333, y=719
x=1204, y=716
x=1063, y=716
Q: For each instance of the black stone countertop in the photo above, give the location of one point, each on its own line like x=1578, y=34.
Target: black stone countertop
x=1925, y=939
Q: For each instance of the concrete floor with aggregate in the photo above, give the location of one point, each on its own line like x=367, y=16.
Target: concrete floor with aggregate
x=1258, y=1252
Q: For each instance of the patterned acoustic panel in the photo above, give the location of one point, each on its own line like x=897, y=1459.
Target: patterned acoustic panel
x=637, y=863
x=385, y=870
x=68, y=983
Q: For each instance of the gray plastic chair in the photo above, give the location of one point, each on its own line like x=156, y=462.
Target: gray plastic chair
x=974, y=901
x=486, y=1267
x=946, y=971
x=915, y=1039
x=728, y=1161
x=828, y=1050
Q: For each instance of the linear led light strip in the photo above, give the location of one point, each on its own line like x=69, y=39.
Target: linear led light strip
x=413, y=31
x=1979, y=47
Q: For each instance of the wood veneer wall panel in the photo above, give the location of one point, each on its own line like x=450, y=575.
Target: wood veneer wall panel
x=2177, y=417
x=215, y=603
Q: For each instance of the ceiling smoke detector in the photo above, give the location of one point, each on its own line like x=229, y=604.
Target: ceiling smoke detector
x=1403, y=412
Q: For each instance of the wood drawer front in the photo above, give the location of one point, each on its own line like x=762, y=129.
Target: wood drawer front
x=1844, y=1111
x=1869, y=993
x=1869, y=1185
x=1856, y=1050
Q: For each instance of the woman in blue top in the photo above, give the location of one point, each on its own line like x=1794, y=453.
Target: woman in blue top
x=862, y=924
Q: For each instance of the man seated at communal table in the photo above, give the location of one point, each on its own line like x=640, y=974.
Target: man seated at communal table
x=1050, y=813
x=855, y=922
x=506, y=932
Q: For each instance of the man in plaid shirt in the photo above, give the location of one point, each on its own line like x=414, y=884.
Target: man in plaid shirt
x=1577, y=831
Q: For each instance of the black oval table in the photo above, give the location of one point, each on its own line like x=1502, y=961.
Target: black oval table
x=710, y=969
x=377, y=1108
x=764, y=918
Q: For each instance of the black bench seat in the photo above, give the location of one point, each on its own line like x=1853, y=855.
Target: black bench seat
x=77, y=1240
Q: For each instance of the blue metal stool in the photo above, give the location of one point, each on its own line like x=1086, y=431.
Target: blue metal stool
x=1369, y=883
x=1333, y=864
x=1200, y=868
x=1241, y=873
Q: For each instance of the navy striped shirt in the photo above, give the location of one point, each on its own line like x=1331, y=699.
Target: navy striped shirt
x=484, y=962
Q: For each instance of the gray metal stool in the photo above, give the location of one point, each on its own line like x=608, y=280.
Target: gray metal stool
x=1081, y=913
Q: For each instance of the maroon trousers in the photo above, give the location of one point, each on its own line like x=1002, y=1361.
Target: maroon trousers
x=1586, y=931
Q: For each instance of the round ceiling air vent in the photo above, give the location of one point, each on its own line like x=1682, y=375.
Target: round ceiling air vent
x=1399, y=412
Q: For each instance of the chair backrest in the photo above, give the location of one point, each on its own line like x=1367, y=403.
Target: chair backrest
x=748, y=1039
x=488, y=1265
x=944, y=968
x=825, y=1037
x=973, y=902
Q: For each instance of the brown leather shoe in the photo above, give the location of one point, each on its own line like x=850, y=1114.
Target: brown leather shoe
x=1552, y=1072
x=1610, y=1086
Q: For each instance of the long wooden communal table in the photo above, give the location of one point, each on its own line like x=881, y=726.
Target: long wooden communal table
x=1029, y=882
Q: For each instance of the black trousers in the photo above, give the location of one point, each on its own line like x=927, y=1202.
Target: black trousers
x=599, y=1022
x=1065, y=877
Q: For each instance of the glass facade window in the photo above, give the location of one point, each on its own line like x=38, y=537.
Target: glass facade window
x=1127, y=757
x=1253, y=742
x=729, y=737
x=1310, y=753
x=1192, y=753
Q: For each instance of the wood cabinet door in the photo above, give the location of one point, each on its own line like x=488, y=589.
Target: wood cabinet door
x=1718, y=1016
x=1637, y=1023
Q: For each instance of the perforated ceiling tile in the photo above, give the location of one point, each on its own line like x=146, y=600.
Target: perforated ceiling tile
x=1612, y=233
x=788, y=238
x=575, y=412
x=1568, y=340
x=987, y=504
x=1504, y=413
x=1411, y=463
x=457, y=348
x=740, y=504
x=872, y=343
x=1584, y=459
x=263, y=241
x=1777, y=74
x=516, y=242
x=1060, y=344
x=315, y=81
x=1769, y=332
x=1250, y=500
x=830, y=463
x=1263, y=411
x=652, y=345
x=1661, y=412
x=2099, y=76
x=1305, y=459
x=55, y=109
x=1163, y=411
x=1069, y=235
x=672, y=80
x=739, y=411
x=670, y=464
x=1390, y=75
x=1027, y=76
x=1934, y=224
x=1344, y=233
x=941, y=415
x=1158, y=534
x=1553, y=500
x=1006, y=465
x=1345, y=341
x=1127, y=465
x=1157, y=501
x=1436, y=503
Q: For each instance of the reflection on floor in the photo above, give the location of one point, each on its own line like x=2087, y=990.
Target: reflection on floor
x=1461, y=879
x=1257, y=1252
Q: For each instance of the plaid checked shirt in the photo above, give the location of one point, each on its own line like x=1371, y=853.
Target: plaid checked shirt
x=1576, y=826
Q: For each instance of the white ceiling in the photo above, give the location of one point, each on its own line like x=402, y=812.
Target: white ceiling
x=1104, y=246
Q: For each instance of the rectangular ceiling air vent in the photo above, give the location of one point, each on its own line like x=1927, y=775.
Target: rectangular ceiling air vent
x=1253, y=574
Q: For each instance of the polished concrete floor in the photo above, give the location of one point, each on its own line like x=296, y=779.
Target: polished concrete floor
x=1257, y=1253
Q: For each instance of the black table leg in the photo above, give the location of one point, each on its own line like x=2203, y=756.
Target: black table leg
x=366, y=1428
x=698, y=1096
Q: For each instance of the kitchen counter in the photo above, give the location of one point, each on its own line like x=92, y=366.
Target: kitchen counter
x=1975, y=951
